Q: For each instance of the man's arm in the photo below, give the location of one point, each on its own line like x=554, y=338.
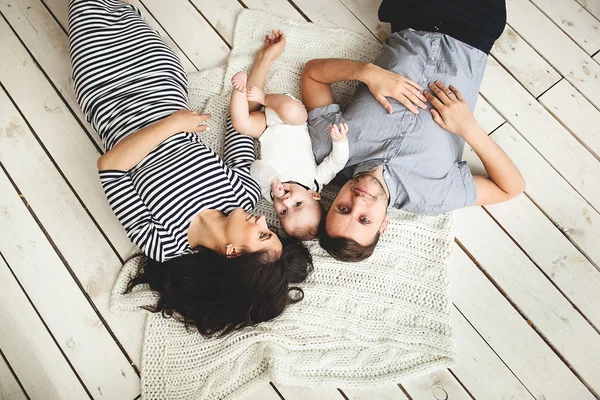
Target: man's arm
x=321, y=73
x=453, y=114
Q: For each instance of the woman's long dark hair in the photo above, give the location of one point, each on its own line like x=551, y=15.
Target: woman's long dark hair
x=217, y=295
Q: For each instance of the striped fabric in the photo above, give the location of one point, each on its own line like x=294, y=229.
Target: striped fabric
x=126, y=78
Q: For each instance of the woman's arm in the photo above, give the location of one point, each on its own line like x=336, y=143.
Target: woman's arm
x=319, y=74
x=133, y=214
x=130, y=151
x=453, y=114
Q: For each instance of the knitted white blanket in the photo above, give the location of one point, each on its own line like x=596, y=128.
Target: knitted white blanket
x=359, y=325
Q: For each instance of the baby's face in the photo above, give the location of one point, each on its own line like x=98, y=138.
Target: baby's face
x=297, y=207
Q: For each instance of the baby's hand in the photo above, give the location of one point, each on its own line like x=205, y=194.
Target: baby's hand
x=338, y=134
x=277, y=188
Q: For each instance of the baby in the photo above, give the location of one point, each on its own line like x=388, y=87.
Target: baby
x=287, y=172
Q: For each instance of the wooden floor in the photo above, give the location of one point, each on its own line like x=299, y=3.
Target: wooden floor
x=525, y=276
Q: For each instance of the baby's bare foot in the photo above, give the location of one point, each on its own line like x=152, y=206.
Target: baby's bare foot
x=239, y=81
x=256, y=94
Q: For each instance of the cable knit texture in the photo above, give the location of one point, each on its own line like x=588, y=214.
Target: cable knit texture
x=364, y=324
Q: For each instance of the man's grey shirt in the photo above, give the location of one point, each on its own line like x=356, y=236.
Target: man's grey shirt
x=422, y=166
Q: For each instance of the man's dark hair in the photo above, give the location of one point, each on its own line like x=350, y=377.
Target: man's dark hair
x=344, y=249
x=217, y=295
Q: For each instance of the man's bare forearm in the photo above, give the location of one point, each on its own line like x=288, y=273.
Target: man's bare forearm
x=331, y=70
x=500, y=168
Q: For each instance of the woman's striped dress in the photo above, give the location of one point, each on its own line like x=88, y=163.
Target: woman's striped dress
x=126, y=78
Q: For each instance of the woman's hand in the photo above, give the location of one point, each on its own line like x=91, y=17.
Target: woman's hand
x=451, y=111
x=187, y=121
x=274, y=45
x=383, y=83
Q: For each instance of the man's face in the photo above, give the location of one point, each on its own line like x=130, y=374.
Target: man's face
x=359, y=210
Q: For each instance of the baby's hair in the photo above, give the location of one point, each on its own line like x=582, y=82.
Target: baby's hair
x=311, y=231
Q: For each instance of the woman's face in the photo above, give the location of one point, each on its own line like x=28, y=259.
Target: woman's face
x=248, y=234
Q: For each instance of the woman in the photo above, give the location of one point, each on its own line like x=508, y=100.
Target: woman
x=177, y=199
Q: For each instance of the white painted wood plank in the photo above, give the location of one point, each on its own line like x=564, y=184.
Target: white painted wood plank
x=383, y=392
x=436, y=385
x=479, y=368
x=59, y=9
x=27, y=345
x=190, y=31
x=264, y=392
x=367, y=12
x=332, y=14
x=59, y=132
x=556, y=47
x=575, y=113
x=533, y=293
x=551, y=193
x=488, y=118
x=519, y=346
x=99, y=362
x=576, y=277
x=49, y=45
x=562, y=262
x=575, y=21
x=281, y=8
x=550, y=249
x=9, y=387
x=66, y=221
x=524, y=63
x=221, y=15
x=547, y=135
x=302, y=393
x=593, y=6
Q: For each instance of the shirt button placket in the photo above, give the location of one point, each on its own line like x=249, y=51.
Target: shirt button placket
x=434, y=52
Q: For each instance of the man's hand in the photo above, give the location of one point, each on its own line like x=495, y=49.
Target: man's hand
x=451, y=111
x=338, y=134
x=187, y=121
x=383, y=83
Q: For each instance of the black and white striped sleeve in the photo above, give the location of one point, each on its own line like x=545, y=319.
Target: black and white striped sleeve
x=239, y=155
x=239, y=151
x=133, y=214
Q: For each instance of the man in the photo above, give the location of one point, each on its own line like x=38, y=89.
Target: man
x=401, y=156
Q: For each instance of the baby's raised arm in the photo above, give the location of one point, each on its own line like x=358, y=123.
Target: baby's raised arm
x=337, y=159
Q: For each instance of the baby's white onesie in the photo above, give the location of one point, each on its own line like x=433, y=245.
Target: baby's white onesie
x=286, y=152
